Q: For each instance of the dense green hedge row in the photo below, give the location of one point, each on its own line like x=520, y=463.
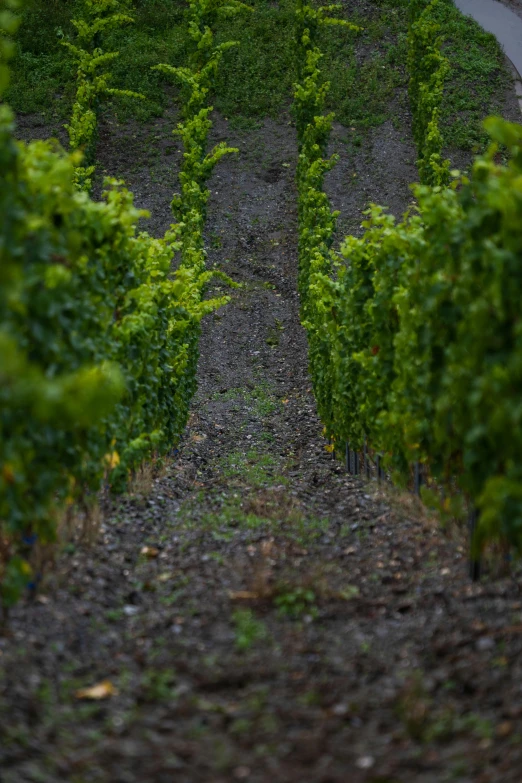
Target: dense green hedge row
x=427, y=69
x=414, y=333
x=98, y=337
x=425, y=342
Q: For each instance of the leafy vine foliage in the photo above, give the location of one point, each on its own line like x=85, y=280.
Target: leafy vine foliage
x=316, y=220
x=414, y=334
x=428, y=69
x=190, y=206
x=93, y=86
x=98, y=336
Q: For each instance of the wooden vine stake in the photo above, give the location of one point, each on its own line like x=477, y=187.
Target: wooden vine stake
x=417, y=479
x=474, y=558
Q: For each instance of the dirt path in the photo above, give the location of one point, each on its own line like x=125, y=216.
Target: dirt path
x=259, y=614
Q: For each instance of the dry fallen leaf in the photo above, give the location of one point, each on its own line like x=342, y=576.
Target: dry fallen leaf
x=243, y=595
x=267, y=547
x=112, y=460
x=103, y=690
x=504, y=729
x=149, y=551
x=8, y=473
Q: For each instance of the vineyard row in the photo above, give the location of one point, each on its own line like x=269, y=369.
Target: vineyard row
x=415, y=339
x=98, y=336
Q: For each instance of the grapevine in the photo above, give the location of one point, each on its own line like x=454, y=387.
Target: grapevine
x=100, y=337
x=93, y=86
x=427, y=68
x=413, y=335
